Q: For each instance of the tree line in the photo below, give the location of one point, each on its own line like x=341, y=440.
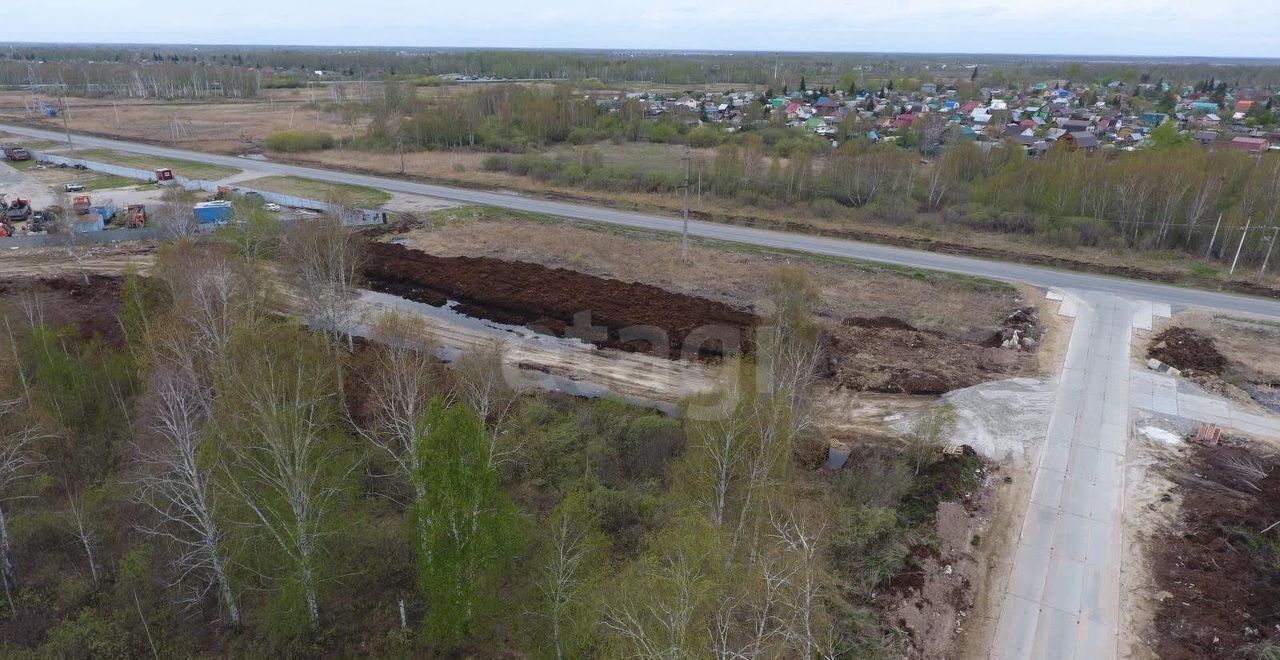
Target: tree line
x=1179, y=196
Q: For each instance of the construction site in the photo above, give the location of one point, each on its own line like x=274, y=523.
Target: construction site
x=1104, y=480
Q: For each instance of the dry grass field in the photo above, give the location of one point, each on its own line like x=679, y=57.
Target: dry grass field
x=731, y=274
x=223, y=127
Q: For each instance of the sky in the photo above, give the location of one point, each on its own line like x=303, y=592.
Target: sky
x=1220, y=28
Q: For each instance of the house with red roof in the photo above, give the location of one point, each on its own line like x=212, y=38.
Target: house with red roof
x=1253, y=145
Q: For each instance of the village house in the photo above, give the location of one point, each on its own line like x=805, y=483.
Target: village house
x=1253, y=145
x=1079, y=140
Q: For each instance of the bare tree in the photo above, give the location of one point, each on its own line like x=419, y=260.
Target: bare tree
x=400, y=386
x=72, y=240
x=17, y=463
x=173, y=216
x=660, y=610
x=323, y=261
x=568, y=574
x=804, y=625
x=481, y=384
x=786, y=342
x=84, y=534
x=178, y=485
x=213, y=293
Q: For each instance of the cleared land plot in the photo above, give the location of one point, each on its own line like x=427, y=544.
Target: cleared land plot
x=187, y=168
x=964, y=306
x=222, y=126
x=361, y=196
x=942, y=339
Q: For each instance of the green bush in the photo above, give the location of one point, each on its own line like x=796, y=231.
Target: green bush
x=89, y=635
x=298, y=140
x=706, y=136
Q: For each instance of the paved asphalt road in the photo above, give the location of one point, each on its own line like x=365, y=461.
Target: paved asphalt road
x=1133, y=289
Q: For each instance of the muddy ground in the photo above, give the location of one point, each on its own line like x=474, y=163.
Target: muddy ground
x=1234, y=357
x=555, y=300
x=931, y=598
x=93, y=306
x=884, y=354
x=1218, y=574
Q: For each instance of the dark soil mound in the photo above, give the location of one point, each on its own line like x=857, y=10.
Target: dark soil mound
x=623, y=315
x=1220, y=571
x=1188, y=351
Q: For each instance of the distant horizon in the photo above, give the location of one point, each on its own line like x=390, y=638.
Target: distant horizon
x=1152, y=29
x=1100, y=58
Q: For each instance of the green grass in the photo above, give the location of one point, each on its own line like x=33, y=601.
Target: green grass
x=33, y=144
x=105, y=181
x=1203, y=271
x=360, y=196
x=187, y=168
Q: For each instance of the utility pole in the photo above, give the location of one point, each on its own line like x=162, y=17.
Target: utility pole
x=1275, y=232
x=1241, y=246
x=71, y=148
x=1209, y=252
x=684, y=234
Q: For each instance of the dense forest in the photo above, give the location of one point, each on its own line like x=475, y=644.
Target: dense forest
x=187, y=471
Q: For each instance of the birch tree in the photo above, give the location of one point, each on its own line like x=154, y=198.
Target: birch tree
x=481, y=384
x=288, y=469
x=178, y=484
x=666, y=601
x=322, y=259
x=468, y=524
x=18, y=459
x=401, y=383
x=569, y=575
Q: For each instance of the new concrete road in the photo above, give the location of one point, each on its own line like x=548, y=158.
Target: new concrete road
x=1011, y=272
x=1063, y=595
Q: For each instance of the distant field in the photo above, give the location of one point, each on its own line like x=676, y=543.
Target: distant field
x=360, y=196
x=189, y=169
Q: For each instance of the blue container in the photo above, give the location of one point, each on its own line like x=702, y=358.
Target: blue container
x=215, y=212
